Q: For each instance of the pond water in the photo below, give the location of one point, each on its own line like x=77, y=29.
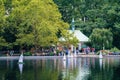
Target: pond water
x=57, y=69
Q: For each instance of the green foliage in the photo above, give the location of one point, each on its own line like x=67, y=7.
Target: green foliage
x=101, y=38
x=68, y=38
x=104, y=52
x=91, y=14
x=38, y=22
x=27, y=54
x=31, y=22
x=114, y=49
x=3, y=42
x=51, y=54
x=44, y=26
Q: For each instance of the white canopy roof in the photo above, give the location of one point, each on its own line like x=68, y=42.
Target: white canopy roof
x=79, y=35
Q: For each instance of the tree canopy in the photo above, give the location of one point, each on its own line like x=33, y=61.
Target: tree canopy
x=42, y=22
x=101, y=38
x=2, y=23
x=31, y=22
x=92, y=14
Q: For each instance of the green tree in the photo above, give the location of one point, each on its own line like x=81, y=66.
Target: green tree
x=101, y=38
x=68, y=38
x=36, y=22
x=69, y=9
x=91, y=14
x=112, y=18
x=3, y=43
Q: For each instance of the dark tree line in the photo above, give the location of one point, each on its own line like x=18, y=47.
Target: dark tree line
x=92, y=14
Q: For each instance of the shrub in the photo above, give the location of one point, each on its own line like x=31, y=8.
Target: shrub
x=27, y=54
x=115, y=49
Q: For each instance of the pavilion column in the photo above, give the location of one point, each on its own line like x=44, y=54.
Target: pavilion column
x=79, y=46
x=69, y=53
x=72, y=48
x=75, y=54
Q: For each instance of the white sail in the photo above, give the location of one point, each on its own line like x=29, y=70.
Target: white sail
x=20, y=59
x=64, y=57
x=100, y=55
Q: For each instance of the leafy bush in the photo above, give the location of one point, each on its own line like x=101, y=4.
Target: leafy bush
x=51, y=53
x=27, y=54
x=104, y=52
x=115, y=49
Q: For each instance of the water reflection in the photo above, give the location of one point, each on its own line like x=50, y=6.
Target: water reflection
x=64, y=64
x=100, y=63
x=20, y=68
x=83, y=70
x=58, y=69
x=9, y=75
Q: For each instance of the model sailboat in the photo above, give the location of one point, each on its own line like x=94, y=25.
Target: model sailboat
x=100, y=55
x=64, y=57
x=20, y=61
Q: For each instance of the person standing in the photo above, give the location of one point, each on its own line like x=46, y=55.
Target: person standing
x=93, y=50
x=11, y=52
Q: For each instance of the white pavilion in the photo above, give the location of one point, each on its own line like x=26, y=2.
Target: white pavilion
x=79, y=35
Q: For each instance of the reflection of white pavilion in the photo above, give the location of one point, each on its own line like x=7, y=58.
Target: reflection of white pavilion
x=83, y=73
x=84, y=70
x=71, y=64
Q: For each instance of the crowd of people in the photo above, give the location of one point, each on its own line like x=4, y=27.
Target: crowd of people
x=55, y=52
x=88, y=50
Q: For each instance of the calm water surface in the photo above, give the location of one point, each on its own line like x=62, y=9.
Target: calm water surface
x=57, y=69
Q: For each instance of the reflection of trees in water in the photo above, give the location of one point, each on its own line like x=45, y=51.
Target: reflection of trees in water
x=45, y=69
x=57, y=69
x=106, y=71
x=116, y=73
x=10, y=75
x=53, y=69
x=8, y=70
